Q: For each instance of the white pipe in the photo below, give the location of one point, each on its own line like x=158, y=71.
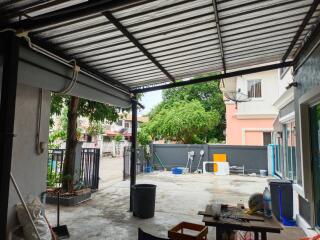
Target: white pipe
x=59, y=59
x=39, y=145
x=67, y=63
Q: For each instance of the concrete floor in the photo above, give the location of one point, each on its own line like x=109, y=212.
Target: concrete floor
x=179, y=198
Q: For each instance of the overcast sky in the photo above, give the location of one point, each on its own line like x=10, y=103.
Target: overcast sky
x=149, y=100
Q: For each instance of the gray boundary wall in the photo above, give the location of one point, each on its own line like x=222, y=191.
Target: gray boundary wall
x=253, y=158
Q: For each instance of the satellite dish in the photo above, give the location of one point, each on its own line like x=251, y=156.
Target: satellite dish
x=236, y=97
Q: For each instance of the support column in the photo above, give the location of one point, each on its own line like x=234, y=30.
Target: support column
x=9, y=45
x=133, y=160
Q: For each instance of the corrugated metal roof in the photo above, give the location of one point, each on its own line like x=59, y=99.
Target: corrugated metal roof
x=181, y=35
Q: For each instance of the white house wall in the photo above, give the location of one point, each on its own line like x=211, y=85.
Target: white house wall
x=262, y=107
x=28, y=168
x=285, y=80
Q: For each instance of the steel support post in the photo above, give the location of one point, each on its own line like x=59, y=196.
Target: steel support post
x=133, y=160
x=9, y=49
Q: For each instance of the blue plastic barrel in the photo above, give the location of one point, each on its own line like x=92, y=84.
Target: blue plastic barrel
x=148, y=169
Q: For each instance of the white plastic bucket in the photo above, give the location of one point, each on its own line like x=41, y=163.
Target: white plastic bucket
x=263, y=173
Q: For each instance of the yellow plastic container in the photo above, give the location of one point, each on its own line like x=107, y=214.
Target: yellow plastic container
x=219, y=157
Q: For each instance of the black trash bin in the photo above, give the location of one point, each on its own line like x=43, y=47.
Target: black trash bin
x=282, y=199
x=143, y=200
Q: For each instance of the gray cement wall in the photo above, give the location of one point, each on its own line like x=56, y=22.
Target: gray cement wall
x=28, y=168
x=308, y=79
x=253, y=158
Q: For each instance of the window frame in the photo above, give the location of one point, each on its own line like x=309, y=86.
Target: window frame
x=126, y=124
x=254, y=80
x=278, y=169
x=306, y=101
x=289, y=125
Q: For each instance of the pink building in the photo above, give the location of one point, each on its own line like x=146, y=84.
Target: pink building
x=251, y=123
x=247, y=131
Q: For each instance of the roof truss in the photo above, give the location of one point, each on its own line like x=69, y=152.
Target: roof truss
x=216, y=14
x=125, y=32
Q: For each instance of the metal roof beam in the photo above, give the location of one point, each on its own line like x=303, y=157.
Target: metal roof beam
x=125, y=32
x=214, y=78
x=69, y=13
x=304, y=23
x=216, y=16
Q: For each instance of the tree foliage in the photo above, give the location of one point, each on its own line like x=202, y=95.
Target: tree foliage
x=144, y=138
x=208, y=95
x=95, y=128
x=118, y=138
x=94, y=111
x=182, y=121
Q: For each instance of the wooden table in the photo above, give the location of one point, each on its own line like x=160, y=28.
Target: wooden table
x=257, y=224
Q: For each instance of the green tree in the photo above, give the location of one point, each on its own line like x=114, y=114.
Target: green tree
x=60, y=132
x=210, y=97
x=144, y=138
x=118, y=138
x=95, y=128
x=94, y=111
x=182, y=121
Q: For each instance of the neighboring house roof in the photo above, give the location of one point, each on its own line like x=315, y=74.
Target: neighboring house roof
x=111, y=133
x=142, y=119
x=114, y=133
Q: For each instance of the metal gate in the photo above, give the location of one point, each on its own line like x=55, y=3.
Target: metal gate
x=127, y=160
x=89, y=167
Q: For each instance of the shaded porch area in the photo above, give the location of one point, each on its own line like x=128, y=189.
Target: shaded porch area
x=179, y=198
x=111, y=51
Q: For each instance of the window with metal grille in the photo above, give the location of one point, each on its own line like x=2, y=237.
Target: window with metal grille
x=254, y=89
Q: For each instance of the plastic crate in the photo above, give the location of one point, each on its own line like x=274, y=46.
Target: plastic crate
x=180, y=232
